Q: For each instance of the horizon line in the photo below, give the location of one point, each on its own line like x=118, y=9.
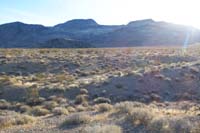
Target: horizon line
x=96, y=22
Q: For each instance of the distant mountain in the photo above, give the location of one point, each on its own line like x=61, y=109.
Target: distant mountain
x=80, y=33
x=77, y=24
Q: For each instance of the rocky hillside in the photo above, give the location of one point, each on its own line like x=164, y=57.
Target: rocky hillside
x=91, y=34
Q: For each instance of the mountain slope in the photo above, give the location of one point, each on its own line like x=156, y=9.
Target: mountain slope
x=148, y=33
x=90, y=33
x=64, y=43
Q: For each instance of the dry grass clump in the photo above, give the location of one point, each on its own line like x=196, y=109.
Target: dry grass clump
x=24, y=108
x=6, y=80
x=71, y=109
x=4, y=104
x=140, y=116
x=50, y=105
x=60, y=100
x=102, y=129
x=102, y=100
x=173, y=125
x=7, y=121
x=104, y=107
x=39, y=111
x=80, y=108
x=60, y=111
x=126, y=107
x=35, y=101
x=83, y=91
x=156, y=120
x=78, y=119
x=81, y=99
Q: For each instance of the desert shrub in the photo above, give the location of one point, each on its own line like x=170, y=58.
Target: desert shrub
x=32, y=92
x=102, y=100
x=81, y=99
x=7, y=121
x=39, y=77
x=4, y=80
x=60, y=77
x=180, y=124
x=35, y=101
x=85, y=104
x=21, y=120
x=52, y=98
x=83, y=91
x=104, y=107
x=24, y=108
x=50, y=105
x=172, y=125
x=140, y=116
x=71, y=109
x=60, y=111
x=4, y=104
x=126, y=107
x=80, y=108
x=57, y=99
x=77, y=119
x=102, y=129
x=39, y=111
x=159, y=125
x=60, y=100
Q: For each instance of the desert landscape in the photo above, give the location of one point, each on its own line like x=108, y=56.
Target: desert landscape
x=99, y=66
x=104, y=90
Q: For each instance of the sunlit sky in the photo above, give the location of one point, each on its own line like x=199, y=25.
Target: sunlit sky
x=51, y=12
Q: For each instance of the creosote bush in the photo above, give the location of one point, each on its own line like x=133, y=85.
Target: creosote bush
x=97, y=128
x=77, y=119
x=102, y=100
x=4, y=104
x=25, y=109
x=71, y=109
x=104, y=107
x=39, y=111
x=140, y=116
x=50, y=105
x=60, y=111
x=174, y=125
x=83, y=91
x=7, y=121
x=81, y=99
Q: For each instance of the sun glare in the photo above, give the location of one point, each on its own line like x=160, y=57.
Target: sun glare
x=184, y=12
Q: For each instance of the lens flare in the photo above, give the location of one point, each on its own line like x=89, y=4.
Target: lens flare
x=187, y=39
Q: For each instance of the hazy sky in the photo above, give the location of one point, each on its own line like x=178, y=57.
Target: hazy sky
x=51, y=12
